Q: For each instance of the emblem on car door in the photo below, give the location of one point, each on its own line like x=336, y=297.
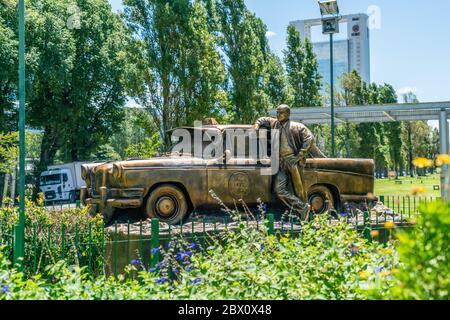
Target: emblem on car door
x=239, y=184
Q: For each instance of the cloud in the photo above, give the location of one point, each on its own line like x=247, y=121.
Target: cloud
x=270, y=34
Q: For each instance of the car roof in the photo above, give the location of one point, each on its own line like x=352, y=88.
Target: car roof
x=218, y=127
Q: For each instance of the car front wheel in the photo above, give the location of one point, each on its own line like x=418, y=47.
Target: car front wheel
x=167, y=203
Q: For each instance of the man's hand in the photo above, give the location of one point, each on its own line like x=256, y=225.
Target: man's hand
x=290, y=161
x=301, y=158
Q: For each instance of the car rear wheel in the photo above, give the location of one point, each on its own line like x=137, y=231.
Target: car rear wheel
x=321, y=199
x=168, y=204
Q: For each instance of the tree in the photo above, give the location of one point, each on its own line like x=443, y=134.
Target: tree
x=8, y=66
x=178, y=74
x=393, y=130
x=74, y=76
x=244, y=42
x=302, y=70
x=276, y=85
x=137, y=126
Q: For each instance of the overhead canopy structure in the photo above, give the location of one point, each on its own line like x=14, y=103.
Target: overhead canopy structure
x=382, y=113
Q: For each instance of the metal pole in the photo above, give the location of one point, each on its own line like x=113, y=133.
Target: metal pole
x=443, y=137
x=19, y=247
x=333, y=154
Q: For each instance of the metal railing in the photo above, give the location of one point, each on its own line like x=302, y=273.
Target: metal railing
x=109, y=249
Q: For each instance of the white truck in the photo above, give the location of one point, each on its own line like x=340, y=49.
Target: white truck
x=62, y=182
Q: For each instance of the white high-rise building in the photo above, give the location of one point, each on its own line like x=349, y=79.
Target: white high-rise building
x=350, y=54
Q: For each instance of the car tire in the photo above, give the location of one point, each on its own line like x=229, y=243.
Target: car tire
x=168, y=204
x=321, y=199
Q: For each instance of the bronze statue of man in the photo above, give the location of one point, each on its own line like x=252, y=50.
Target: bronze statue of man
x=296, y=143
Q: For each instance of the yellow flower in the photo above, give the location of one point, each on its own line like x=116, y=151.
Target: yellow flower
x=389, y=225
x=418, y=189
x=442, y=159
x=374, y=233
x=384, y=273
x=364, y=274
x=395, y=271
x=422, y=162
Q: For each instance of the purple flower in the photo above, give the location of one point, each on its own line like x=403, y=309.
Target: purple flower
x=193, y=245
x=189, y=269
x=262, y=247
x=155, y=250
x=152, y=270
x=195, y=281
x=134, y=262
x=187, y=263
x=160, y=280
x=162, y=263
x=176, y=271
x=381, y=269
x=182, y=255
x=343, y=214
x=5, y=289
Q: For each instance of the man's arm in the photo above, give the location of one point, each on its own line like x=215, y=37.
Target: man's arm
x=265, y=123
x=308, y=140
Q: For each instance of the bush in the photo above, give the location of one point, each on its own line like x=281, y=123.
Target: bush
x=50, y=235
x=425, y=255
x=327, y=261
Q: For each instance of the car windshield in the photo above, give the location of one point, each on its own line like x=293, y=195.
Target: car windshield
x=50, y=179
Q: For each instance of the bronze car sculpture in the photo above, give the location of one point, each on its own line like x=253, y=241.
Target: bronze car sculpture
x=171, y=187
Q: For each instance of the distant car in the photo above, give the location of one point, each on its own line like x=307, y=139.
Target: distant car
x=171, y=187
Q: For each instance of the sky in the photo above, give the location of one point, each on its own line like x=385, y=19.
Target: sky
x=410, y=50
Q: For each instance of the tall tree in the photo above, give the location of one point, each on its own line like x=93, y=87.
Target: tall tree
x=276, y=85
x=178, y=74
x=393, y=130
x=244, y=42
x=302, y=70
x=8, y=66
x=74, y=75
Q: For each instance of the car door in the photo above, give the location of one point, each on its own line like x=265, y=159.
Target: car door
x=238, y=176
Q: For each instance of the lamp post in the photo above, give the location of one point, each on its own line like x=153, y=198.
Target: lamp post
x=19, y=243
x=329, y=11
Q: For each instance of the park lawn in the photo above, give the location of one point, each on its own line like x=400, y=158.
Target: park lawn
x=388, y=187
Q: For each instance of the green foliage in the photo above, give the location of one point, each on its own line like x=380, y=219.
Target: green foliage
x=178, y=73
x=425, y=256
x=302, y=70
x=9, y=151
x=44, y=241
x=277, y=87
x=75, y=76
x=146, y=149
x=8, y=66
x=328, y=261
x=243, y=40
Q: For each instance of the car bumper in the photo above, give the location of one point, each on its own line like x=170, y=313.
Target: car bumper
x=113, y=197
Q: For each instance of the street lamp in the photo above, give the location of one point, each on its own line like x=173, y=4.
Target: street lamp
x=329, y=11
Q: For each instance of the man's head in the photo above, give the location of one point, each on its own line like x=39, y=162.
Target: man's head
x=283, y=113
x=210, y=122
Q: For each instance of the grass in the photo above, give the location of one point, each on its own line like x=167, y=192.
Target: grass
x=389, y=187
x=399, y=196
